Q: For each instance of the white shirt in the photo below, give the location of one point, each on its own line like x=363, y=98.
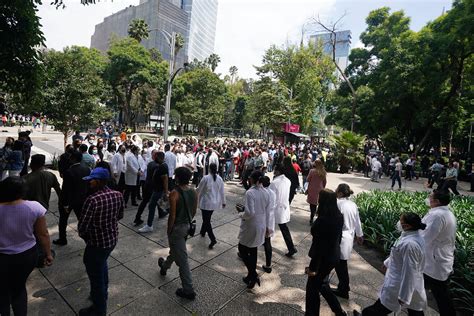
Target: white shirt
x=281, y=186
x=253, y=225
x=108, y=156
x=404, y=278
x=271, y=212
x=213, y=158
x=211, y=193
x=440, y=238
x=170, y=160
x=376, y=165
x=143, y=162
x=180, y=158
x=264, y=156
x=352, y=226
x=117, y=166
x=132, y=168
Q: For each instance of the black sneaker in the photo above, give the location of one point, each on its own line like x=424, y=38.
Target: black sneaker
x=160, y=264
x=190, y=296
x=138, y=222
x=212, y=244
x=90, y=311
x=60, y=242
x=267, y=269
x=291, y=253
x=341, y=294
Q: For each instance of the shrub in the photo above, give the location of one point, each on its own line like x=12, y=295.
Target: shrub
x=380, y=211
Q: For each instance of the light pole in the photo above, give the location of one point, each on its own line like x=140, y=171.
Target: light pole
x=172, y=42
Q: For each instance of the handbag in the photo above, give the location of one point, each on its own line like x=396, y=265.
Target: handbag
x=192, y=223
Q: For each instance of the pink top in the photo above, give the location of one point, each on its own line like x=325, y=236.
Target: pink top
x=315, y=185
x=17, y=226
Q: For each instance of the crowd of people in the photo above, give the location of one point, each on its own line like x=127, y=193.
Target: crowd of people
x=101, y=175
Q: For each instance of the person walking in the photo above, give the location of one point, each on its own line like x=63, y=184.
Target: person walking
x=23, y=223
x=170, y=160
x=325, y=252
x=281, y=186
x=183, y=205
x=4, y=153
x=73, y=194
x=376, y=167
x=98, y=226
x=24, y=138
x=403, y=282
x=270, y=221
x=15, y=161
x=132, y=172
x=397, y=174
x=316, y=182
x=211, y=197
x=439, y=237
x=306, y=167
x=451, y=179
x=147, y=188
x=253, y=227
x=290, y=172
x=352, y=228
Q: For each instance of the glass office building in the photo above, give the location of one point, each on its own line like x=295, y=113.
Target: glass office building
x=343, y=46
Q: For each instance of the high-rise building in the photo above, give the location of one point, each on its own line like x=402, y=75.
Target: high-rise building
x=195, y=20
x=343, y=45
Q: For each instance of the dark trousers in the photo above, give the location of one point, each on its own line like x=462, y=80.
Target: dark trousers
x=206, y=224
x=292, y=194
x=249, y=257
x=63, y=218
x=450, y=184
x=121, y=183
x=285, y=231
x=396, y=177
x=408, y=172
x=268, y=251
x=313, y=208
x=379, y=309
x=343, y=276
x=197, y=176
x=130, y=190
x=140, y=188
x=145, y=199
x=95, y=260
x=14, y=271
x=24, y=171
x=319, y=284
x=155, y=197
x=440, y=291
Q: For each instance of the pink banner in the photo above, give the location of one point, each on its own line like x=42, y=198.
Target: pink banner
x=291, y=128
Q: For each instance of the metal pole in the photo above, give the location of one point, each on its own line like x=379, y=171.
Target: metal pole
x=470, y=139
x=168, y=95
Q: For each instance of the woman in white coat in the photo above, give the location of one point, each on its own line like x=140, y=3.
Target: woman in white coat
x=211, y=197
x=270, y=219
x=132, y=171
x=281, y=185
x=352, y=228
x=403, y=284
x=253, y=227
x=118, y=166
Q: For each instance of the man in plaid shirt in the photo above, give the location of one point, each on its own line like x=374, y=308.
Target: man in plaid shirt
x=98, y=226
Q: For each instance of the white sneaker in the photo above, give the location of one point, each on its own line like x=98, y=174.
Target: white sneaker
x=146, y=229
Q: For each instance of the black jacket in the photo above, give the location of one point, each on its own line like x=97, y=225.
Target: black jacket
x=325, y=249
x=74, y=191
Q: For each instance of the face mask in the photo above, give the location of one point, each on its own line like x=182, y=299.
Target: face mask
x=91, y=141
x=94, y=152
x=123, y=151
x=427, y=202
x=399, y=227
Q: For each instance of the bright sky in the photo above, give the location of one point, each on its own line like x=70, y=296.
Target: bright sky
x=245, y=28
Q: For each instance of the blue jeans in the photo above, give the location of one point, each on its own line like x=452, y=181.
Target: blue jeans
x=95, y=260
x=227, y=170
x=152, y=207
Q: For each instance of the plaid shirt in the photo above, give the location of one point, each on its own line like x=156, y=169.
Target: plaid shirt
x=98, y=223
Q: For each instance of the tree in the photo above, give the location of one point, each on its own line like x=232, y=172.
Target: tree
x=349, y=149
x=130, y=69
x=233, y=70
x=72, y=89
x=138, y=30
x=213, y=61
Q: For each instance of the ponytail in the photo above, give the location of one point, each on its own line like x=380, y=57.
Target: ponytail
x=414, y=220
x=213, y=170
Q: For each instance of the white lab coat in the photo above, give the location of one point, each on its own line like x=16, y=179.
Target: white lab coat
x=253, y=225
x=440, y=238
x=212, y=159
x=281, y=186
x=180, y=160
x=131, y=170
x=143, y=162
x=404, y=278
x=211, y=193
x=352, y=226
x=170, y=160
x=117, y=166
x=108, y=156
x=271, y=212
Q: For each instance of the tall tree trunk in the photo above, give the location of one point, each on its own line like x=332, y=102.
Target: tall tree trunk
x=66, y=135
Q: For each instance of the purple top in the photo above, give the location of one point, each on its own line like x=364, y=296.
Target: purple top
x=17, y=226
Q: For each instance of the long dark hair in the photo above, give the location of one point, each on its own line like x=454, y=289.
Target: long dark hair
x=12, y=189
x=213, y=170
x=328, y=204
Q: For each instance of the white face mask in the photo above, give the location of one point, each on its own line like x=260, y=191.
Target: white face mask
x=399, y=227
x=427, y=202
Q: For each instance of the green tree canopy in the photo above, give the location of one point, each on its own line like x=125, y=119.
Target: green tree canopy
x=138, y=30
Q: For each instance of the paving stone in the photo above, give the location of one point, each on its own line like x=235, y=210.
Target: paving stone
x=198, y=248
x=49, y=304
x=74, y=243
x=37, y=285
x=124, y=287
x=131, y=247
x=228, y=233
x=213, y=291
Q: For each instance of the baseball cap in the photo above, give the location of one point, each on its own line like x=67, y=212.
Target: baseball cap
x=98, y=174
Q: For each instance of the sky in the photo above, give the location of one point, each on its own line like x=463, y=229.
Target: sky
x=245, y=28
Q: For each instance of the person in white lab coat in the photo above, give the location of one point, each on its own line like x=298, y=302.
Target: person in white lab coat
x=352, y=228
x=440, y=237
x=132, y=172
x=281, y=185
x=170, y=160
x=270, y=219
x=211, y=157
x=376, y=167
x=117, y=166
x=211, y=197
x=403, y=284
x=253, y=227
x=143, y=162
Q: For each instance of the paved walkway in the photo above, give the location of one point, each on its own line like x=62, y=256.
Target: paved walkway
x=136, y=287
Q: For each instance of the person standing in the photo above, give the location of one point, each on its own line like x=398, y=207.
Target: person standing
x=65, y=160
x=15, y=161
x=87, y=159
x=376, y=167
x=24, y=138
x=211, y=197
x=253, y=227
x=4, y=153
x=352, y=228
x=199, y=165
x=23, y=223
x=73, y=194
x=132, y=171
x=170, y=160
x=451, y=179
x=325, y=252
x=98, y=226
x=147, y=187
x=440, y=238
x=403, y=282
x=397, y=174
x=290, y=172
x=183, y=205
x=270, y=221
x=316, y=182
x=306, y=166
x=118, y=165
x=211, y=157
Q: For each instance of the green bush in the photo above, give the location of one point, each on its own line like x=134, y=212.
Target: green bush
x=380, y=211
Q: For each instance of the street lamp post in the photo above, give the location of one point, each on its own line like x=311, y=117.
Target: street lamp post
x=172, y=42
